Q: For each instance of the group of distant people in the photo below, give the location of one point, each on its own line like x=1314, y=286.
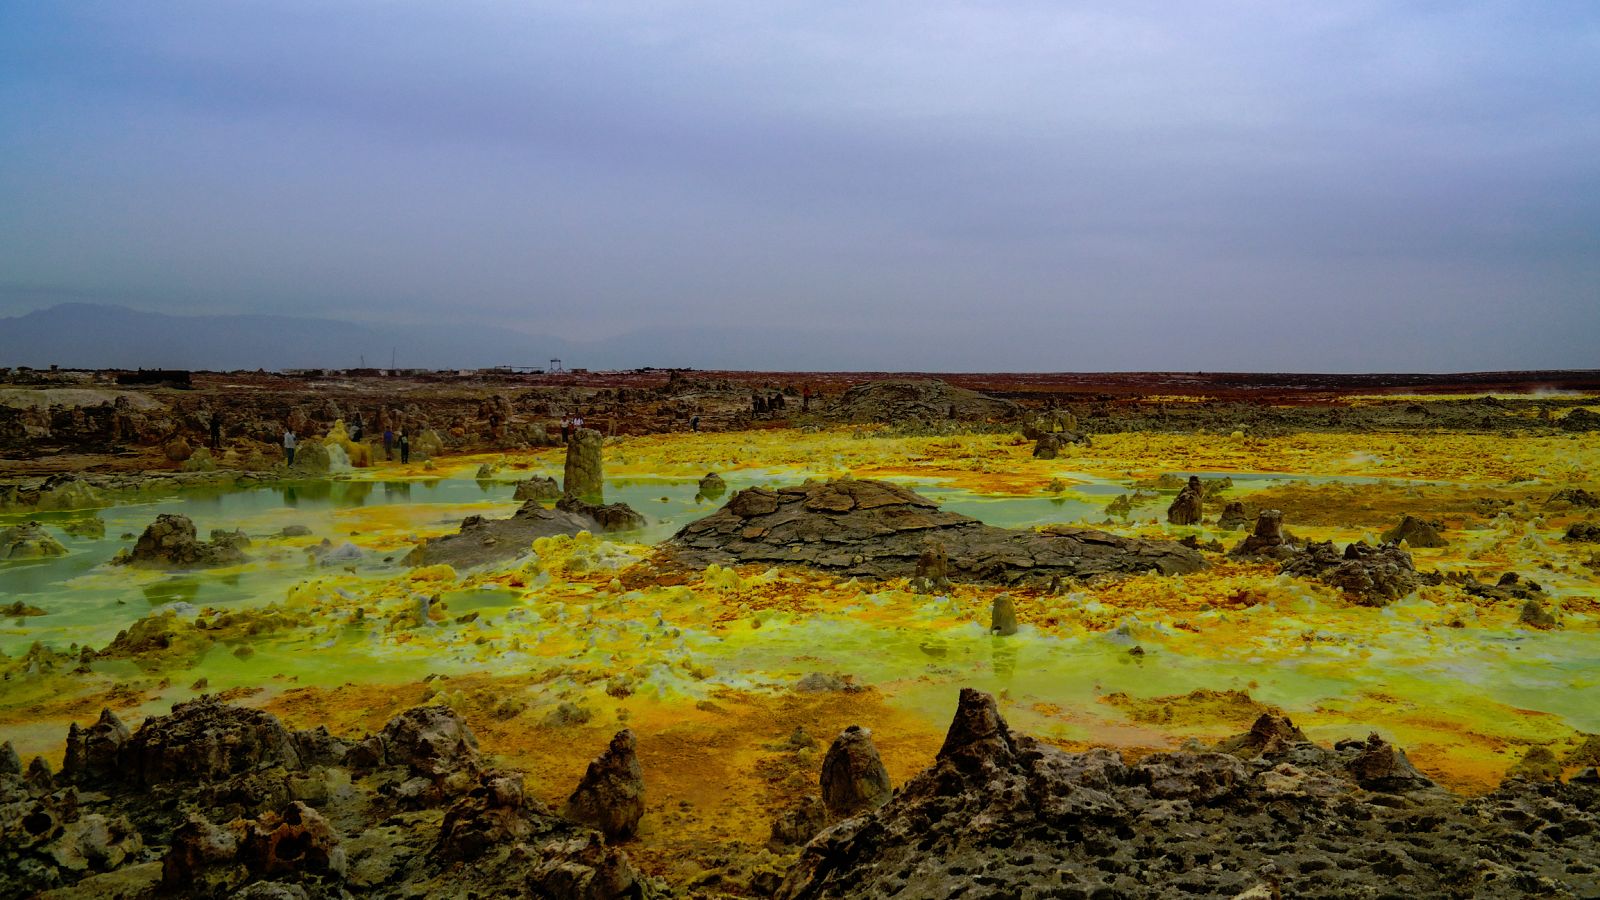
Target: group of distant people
x=357, y=431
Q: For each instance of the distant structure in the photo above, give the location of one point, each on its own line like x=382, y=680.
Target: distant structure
x=555, y=367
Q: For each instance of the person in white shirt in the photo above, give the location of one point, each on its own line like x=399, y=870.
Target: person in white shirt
x=288, y=445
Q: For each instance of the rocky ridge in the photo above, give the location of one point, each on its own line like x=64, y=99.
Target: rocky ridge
x=879, y=530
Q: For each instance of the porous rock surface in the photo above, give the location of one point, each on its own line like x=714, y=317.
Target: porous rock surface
x=879, y=530
x=215, y=800
x=999, y=814
x=1368, y=575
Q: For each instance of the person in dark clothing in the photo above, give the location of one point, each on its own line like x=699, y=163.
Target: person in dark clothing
x=216, y=432
x=405, y=448
x=805, y=399
x=694, y=423
x=355, y=432
x=388, y=444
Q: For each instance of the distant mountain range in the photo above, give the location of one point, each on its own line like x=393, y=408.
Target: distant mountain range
x=90, y=335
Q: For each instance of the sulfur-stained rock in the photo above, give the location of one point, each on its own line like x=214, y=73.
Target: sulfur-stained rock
x=432, y=740
x=485, y=541
x=611, y=795
x=1188, y=507
x=10, y=762
x=1003, y=616
x=712, y=487
x=29, y=541
x=1369, y=576
x=538, y=488
x=853, y=776
x=583, y=477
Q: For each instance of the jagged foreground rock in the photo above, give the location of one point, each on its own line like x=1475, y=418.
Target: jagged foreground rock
x=880, y=530
x=216, y=800
x=1002, y=815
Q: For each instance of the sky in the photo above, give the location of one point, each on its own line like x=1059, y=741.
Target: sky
x=1235, y=185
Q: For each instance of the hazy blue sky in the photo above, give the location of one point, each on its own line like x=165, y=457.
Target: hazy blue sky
x=1004, y=185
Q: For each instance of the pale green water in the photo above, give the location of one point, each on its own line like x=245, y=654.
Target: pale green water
x=917, y=663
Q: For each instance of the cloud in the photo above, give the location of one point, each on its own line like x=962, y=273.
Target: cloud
x=1002, y=178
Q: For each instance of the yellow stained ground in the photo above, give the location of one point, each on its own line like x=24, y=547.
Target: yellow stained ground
x=699, y=663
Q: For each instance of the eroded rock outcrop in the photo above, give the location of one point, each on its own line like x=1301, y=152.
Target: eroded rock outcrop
x=29, y=541
x=880, y=530
x=216, y=800
x=539, y=488
x=1188, y=507
x=1005, y=811
x=853, y=777
x=1368, y=575
x=609, y=516
x=1267, y=539
x=484, y=541
x=1415, y=532
x=170, y=541
x=583, y=476
x=919, y=403
x=611, y=795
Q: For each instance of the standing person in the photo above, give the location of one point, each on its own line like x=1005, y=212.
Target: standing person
x=388, y=444
x=355, y=433
x=805, y=399
x=566, y=429
x=405, y=448
x=577, y=422
x=694, y=423
x=288, y=445
x=216, y=431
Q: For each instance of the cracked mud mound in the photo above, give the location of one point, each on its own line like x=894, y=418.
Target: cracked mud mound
x=878, y=530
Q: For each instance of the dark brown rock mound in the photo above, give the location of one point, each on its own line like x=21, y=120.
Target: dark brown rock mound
x=483, y=541
x=1583, y=532
x=1415, y=532
x=1008, y=815
x=611, y=795
x=170, y=541
x=538, y=488
x=609, y=517
x=1369, y=576
x=853, y=777
x=878, y=530
x=919, y=403
x=206, y=740
x=1187, y=508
